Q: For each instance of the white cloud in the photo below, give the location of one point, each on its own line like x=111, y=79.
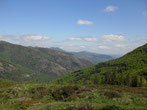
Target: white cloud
x=73, y=47
x=7, y=36
x=1, y=36
x=83, y=22
x=75, y=38
x=36, y=38
x=82, y=46
x=112, y=37
x=91, y=39
x=103, y=47
x=144, y=13
x=111, y=8
x=120, y=46
x=88, y=39
x=26, y=37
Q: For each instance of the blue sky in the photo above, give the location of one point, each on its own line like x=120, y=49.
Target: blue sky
x=102, y=26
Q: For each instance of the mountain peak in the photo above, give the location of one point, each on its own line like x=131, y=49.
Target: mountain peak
x=57, y=48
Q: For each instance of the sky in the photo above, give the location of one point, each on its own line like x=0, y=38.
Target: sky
x=101, y=26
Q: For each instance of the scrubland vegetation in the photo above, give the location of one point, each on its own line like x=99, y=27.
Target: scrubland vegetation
x=37, y=96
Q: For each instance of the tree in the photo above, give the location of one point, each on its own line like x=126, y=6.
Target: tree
x=96, y=80
x=141, y=81
x=135, y=81
x=114, y=79
x=121, y=79
x=107, y=78
x=128, y=80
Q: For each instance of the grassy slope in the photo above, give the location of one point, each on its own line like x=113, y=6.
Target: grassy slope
x=35, y=96
x=128, y=66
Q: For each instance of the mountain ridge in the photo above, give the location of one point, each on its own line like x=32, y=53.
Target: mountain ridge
x=94, y=57
x=46, y=61
x=91, y=56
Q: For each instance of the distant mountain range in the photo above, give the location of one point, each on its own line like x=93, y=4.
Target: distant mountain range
x=93, y=57
x=22, y=63
x=130, y=70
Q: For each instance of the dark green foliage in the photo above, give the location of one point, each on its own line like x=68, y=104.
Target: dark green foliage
x=135, y=81
x=39, y=92
x=112, y=107
x=108, y=78
x=130, y=70
x=128, y=80
x=64, y=93
x=141, y=82
x=112, y=94
x=96, y=80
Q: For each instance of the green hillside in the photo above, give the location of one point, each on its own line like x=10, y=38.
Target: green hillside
x=131, y=70
x=33, y=63
x=17, y=72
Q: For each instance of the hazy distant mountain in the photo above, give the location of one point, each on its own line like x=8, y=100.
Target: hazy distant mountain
x=114, y=56
x=94, y=57
x=57, y=48
x=33, y=61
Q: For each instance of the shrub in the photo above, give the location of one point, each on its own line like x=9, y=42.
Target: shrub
x=64, y=93
x=111, y=107
x=39, y=92
x=112, y=94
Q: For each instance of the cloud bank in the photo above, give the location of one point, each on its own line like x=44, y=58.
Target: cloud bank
x=113, y=37
x=88, y=39
x=34, y=37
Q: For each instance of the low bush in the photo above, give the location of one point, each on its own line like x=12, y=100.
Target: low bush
x=39, y=92
x=112, y=94
x=63, y=93
x=112, y=107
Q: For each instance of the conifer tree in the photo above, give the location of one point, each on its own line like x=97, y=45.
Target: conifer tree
x=107, y=78
x=141, y=81
x=96, y=80
x=114, y=79
x=128, y=80
x=135, y=81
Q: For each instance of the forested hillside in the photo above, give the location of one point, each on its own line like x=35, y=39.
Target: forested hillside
x=130, y=69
